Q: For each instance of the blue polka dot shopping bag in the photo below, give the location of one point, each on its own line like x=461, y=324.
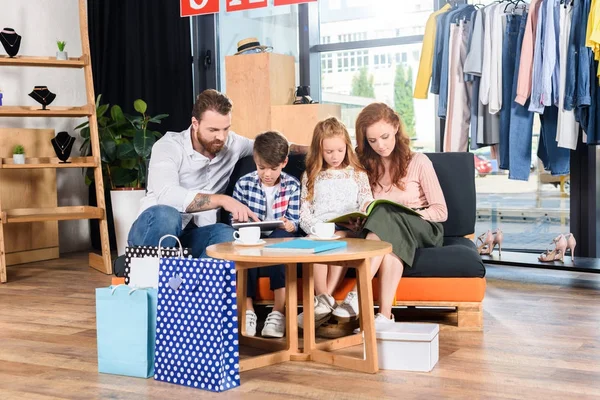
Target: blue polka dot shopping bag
x=125, y=325
x=196, y=327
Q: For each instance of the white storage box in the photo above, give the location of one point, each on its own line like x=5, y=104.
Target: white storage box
x=408, y=347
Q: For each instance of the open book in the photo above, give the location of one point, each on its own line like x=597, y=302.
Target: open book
x=357, y=214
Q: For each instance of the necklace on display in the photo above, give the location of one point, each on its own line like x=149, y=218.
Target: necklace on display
x=64, y=146
x=6, y=39
x=43, y=98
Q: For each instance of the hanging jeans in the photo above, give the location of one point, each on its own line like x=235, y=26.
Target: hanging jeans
x=521, y=123
x=509, y=51
x=555, y=159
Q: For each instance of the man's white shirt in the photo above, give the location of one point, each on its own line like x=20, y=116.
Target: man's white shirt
x=177, y=173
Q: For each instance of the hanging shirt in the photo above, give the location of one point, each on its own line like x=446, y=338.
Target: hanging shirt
x=527, y=53
x=592, y=39
x=497, y=35
x=549, y=54
x=568, y=129
x=535, y=105
x=484, y=88
x=426, y=61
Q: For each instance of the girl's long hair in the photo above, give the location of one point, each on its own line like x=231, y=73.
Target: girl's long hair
x=328, y=128
x=372, y=162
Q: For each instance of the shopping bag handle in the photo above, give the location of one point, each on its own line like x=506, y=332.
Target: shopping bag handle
x=174, y=237
x=131, y=291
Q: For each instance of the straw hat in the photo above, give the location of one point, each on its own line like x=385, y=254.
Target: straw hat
x=251, y=44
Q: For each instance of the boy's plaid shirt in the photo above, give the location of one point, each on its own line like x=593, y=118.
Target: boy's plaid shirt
x=248, y=190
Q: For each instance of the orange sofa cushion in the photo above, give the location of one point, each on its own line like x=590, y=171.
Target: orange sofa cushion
x=409, y=289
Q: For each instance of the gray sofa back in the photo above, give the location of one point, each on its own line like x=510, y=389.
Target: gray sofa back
x=455, y=171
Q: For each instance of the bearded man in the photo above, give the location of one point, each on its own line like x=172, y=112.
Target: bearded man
x=187, y=175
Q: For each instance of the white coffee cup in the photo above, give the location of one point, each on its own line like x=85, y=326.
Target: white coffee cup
x=324, y=230
x=248, y=235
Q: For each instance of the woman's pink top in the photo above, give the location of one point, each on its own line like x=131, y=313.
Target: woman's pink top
x=421, y=189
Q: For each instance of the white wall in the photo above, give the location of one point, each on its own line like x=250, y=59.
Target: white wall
x=41, y=23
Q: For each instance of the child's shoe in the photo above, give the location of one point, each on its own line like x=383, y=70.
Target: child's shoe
x=274, y=325
x=250, y=323
x=324, y=306
x=348, y=310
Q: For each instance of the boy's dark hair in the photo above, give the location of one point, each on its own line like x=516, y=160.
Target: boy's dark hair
x=211, y=99
x=271, y=147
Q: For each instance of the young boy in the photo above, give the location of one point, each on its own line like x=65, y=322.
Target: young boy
x=272, y=195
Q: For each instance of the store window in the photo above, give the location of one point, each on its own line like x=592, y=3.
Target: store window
x=372, y=74
x=272, y=26
x=530, y=213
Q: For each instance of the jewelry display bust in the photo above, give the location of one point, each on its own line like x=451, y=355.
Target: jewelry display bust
x=11, y=41
x=63, y=144
x=42, y=95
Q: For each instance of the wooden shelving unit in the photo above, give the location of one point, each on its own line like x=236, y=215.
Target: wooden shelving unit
x=21, y=215
x=28, y=111
x=28, y=61
x=50, y=162
x=101, y=262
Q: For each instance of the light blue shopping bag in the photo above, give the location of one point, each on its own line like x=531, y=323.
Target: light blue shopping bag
x=126, y=330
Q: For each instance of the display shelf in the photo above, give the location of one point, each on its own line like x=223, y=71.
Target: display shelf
x=49, y=162
x=30, y=61
x=20, y=215
x=36, y=111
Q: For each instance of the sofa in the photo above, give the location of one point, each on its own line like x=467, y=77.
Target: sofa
x=451, y=277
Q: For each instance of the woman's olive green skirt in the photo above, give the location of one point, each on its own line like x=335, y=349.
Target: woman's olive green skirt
x=405, y=232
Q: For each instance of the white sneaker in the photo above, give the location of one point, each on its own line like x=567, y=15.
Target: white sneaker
x=324, y=306
x=348, y=310
x=274, y=325
x=250, y=323
x=381, y=322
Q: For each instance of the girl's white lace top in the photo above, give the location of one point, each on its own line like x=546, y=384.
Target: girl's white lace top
x=336, y=192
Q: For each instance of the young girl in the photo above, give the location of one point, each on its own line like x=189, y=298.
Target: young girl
x=333, y=184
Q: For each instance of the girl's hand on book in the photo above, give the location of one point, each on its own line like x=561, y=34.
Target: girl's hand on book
x=354, y=224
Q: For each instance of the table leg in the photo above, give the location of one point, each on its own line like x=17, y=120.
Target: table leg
x=241, y=291
x=369, y=362
x=291, y=307
x=367, y=319
x=291, y=341
x=308, y=308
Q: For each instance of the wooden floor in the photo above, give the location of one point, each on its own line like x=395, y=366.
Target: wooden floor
x=541, y=340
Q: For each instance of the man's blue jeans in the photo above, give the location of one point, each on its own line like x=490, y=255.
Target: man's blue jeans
x=157, y=221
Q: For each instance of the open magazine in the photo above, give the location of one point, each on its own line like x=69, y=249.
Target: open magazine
x=357, y=214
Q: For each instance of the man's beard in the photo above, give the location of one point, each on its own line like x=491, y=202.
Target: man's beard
x=212, y=147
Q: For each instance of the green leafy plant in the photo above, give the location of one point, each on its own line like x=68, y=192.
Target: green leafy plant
x=19, y=149
x=125, y=144
x=61, y=45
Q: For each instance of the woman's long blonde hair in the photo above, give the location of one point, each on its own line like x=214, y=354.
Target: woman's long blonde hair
x=328, y=128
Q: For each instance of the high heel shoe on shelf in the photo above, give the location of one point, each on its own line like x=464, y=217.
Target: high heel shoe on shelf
x=487, y=241
x=571, y=243
x=558, y=253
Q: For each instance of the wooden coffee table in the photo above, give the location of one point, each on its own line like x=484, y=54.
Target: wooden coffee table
x=355, y=255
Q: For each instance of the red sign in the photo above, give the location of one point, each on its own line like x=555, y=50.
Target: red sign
x=239, y=5
x=288, y=2
x=199, y=7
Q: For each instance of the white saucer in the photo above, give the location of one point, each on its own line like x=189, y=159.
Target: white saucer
x=259, y=243
x=334, y=237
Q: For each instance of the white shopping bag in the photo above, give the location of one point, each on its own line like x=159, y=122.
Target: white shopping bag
x=143, y=271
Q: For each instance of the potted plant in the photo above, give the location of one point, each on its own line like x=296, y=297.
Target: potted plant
x=125, y=146
x=61, y=54
x=19, y=154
